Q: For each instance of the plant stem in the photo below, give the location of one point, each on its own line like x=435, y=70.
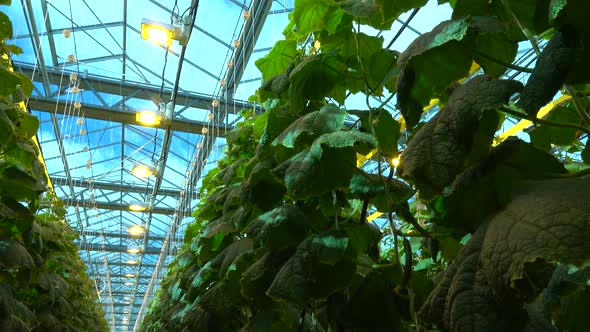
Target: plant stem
x=582, y=112
x=542, y=121
x=393, y=231
x=407, y=263
x=505, y=64
x=527, y=35
x=364, y=211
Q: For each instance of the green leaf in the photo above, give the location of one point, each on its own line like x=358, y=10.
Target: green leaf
x=359, y=8
x=543, y=136
x=492, y=46
x=277, y=317
x=306, y=129
x=308, y=15
x=371, y=186
x=258, y=277
x=383, y=70
x=372, y=306
x=260, y=124
x=15, y=182
x=278, y=59
x=13, y=49
x=322, y=264
x=364, y=238
x=215, y=236
x=333, y=21
x=316, y=76
x=546, y=221
x=389, y=11
x=7, y=129
x=5, y=27
x=278, y=228
x=426, y=69
x=262, y=188
x=489, y=184
x=14, y=255
x=457, y=136
x=10, y=81
x=26, y=124
x=327, y=165
x=26, y=85
x=387, y=130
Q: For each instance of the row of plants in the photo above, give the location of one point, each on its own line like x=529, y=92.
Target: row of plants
x=484, y=234
x=43, y=281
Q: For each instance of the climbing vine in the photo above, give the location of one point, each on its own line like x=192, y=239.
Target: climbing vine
x=43, y=281
x=484, y=233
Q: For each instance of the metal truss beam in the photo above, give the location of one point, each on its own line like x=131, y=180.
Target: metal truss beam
x=114, y=248
x=128, y=188
x=89, y=27
x=117, y=87
x=115, y=206
x=48, y=105
x=119, y=264
x=117, y=236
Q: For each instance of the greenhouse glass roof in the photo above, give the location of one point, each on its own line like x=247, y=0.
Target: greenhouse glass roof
x=92, y=72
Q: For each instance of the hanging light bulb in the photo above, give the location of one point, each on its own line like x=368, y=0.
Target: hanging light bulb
x=82, y=132
x=67, y=33
x=78, y=105
x=199, y=146
x=246, y=15
x=230, y=64
x=80, y=121
x=71, y=58
x=73, y=77
x=215, y=103
x=236, y=43
x=222, y=82
x=88, y=164
x=210, y=116
x=85, y=149
x=75, y=89
x=204, y=131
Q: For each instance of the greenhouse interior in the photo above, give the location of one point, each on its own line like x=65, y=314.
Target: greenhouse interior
x=294, y=165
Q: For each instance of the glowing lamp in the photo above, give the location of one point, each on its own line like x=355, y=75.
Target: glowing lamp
x=143, y=171
x=131, y=262
x=148, y=118
x=128, y=284
x=137, y=206
x=395, y=162
x=157, y=32
x=136, y=230
x=133, y=250
x=129, y=275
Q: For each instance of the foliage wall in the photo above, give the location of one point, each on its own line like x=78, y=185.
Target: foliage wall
x=43, y=281
x=484, y=234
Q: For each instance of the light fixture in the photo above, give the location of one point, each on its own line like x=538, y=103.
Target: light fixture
x=133, y=250
x=148, y=118
x=395, y=162
x=129, y=275
x=131, y=262
x=136, y=230
x=157, y=32
x=137, y=206
x=128, y=284
x=143, y=171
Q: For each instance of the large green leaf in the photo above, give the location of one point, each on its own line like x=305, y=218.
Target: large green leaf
x=308, y=15
x=258, y=277
x=426, y=68
x=488, y=185
x=327, y=165
x=282, y=227
x=544, y=136
x=276, y=317
x=7, y=129
x=5, y=27
x=26, y=124
x=389, y=11
x=306, y=129
x=373, y=187
x=316, y=76
x=322, y=264
x=214, y=237
x=493, y=48
x=387, y=130
x=545, y=221
x=15, y=182
x=456, y=136
x=14, y=255
x=278, y=59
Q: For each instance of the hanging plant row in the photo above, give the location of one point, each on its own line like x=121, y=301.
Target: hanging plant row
x=43, y=281
x=484, y=234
